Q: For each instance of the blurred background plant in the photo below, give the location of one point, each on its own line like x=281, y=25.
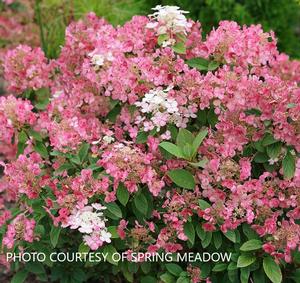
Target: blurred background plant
x=52, y=16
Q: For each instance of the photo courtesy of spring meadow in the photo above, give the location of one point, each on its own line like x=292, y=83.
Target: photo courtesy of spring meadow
x=149, y=141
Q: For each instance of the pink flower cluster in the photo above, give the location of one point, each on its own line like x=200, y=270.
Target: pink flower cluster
x=21, y=228
x=26, y=68
x=112, y=85
x=15, y=113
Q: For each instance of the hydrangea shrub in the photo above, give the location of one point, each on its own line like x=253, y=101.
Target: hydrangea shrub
x=149, y=138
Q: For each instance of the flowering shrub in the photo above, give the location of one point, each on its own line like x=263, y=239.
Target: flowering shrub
x=150, y=138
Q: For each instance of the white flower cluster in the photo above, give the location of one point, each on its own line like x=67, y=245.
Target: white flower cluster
x=169, y=18
x=98, y=60
x=164, y=110
x=90, y=220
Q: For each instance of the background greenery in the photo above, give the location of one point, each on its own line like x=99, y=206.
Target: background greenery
x=282, y=16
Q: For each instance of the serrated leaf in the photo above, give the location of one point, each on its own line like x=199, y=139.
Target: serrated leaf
x=268, y=139
x=22, y=137
x=213, y=65
x=251, y=245
x=217, y=238
x=272, y=270
x=141, y=203
x=122, y=195
x=83, y=151
x=261, y=157
x=113, y=208
x=200, y=232
x=199, y=63
x=182, y=178
x=54, y=235
x=245, y=260
x=41, y=149
x=110, y=250
x=184, y=137
x=198, y=140
x=245, y=273
x=35, y=135
x=189, y=231
x=171, y=148
x=289, y=166
x=230, y=235
x=219, y=267
x=206, y=242
x=273, y=150
x=200, y=163
x=174, y=269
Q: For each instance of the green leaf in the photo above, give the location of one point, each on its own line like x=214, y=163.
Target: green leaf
x=113, y=231
x=142, y=137
x=245, y=260
x=187, y=151
x=20, y=276
x=289, y=166
x=200, y=64
x=230, y=235
x=35, y=267
x=272, y=270
x=110, y=250
x=41, y=149
x=182, y=178
x=251, y=245
x=203, y=204
x=200, y=163
x=268, y=139
x=198, y=140
x=206, y=242
x=83, y=248
x=213, y=66
x=253, y=111
x=245, y=273
x=148, y=279
x=212, y=117
x=179, y=48
x=83, y=151
x=184, y=137
x=200, y=232
x=167, y=278
x=161, y=38
x=273, y=150
x=171, y=148
x=219, y=267
x=261, y=157
x=189, y=231
x=217, y=238
x=174, y=269
x=22, y=137
x=113, y=208
x=259, y=276
x=183, y=280
x=54, y=235
x=249, y=232
x=122, y=194
x=35, y=135
x=64, y=167
x=141, y=203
